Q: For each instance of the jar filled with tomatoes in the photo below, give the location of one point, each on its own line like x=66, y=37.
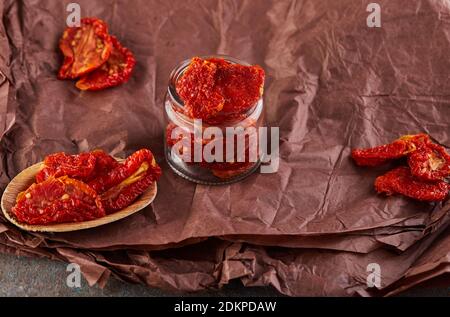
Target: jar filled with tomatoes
x=214, y=110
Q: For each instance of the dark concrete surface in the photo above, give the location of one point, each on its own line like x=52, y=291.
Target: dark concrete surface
x=22, y=276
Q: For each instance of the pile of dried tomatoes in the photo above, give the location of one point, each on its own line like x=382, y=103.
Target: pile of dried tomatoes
x=94, y=57
x=86, y=186
x=423, y=178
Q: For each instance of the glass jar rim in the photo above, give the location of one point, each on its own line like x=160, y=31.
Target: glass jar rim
x=178, y=71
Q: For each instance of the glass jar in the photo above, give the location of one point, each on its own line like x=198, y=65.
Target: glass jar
x=193, y=148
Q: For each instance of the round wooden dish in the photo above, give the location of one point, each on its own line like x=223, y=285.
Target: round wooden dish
x=27, y=177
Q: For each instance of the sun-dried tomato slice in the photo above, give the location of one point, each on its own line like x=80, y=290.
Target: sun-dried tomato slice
x=123, y=194
x=229, y=170
x=58, y=200
x=197, y=89
x=85, y=48
x=214, y=89
x=430, y=162
x=401, y=181
x=241, y=85
x=115, y=71
x=381, y=154
x=83, y=166
x=61, y=164
x=140, y=162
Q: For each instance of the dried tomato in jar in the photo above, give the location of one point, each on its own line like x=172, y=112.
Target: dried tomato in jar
x=222, y=93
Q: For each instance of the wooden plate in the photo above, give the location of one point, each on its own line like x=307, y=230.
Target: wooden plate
x=27, y=177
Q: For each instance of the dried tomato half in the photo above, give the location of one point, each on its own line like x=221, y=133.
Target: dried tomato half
x=241, y=85
x=401, y=181
x=58, y=200
x=381, y=154
x=197, y=88
x=430, y=162
x=83, y=166
x=59, y=164
x=115, y=71
x=135, y=165
x=85, y=48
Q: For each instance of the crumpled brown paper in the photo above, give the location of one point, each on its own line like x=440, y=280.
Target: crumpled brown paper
x=332, y=84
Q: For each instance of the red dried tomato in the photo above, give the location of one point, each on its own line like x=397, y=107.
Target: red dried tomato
x=430, y=162
x=215, y=89
x=59, y=164
x=133, y=168
x=58, y=200
x=85, y=48
x=122, y=195
x=381, y=154
x=401, y=181
x=197, y=89
x=115, y=71
x=229, y=170
x=242, y=86
x=83, y=166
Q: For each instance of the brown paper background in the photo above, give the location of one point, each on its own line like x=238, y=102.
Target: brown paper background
x=332, y=84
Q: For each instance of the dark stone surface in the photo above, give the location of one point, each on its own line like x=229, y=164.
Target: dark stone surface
x=22, y=276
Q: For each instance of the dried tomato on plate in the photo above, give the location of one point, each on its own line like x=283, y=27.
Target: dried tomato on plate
x=85, y=48
x=381, y=154
x=115, y=71
x=58, y=200
x=61, y=164
x=401, y=181
x=123, y=184
x=430, y=162
x=83, y=166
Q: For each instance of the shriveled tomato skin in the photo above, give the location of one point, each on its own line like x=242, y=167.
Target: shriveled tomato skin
x=85, y=48
x=61, y=164
x=58, y=200
x=430, y=162
x=128, y=194
x=383, y=153
x=125, y=170
x=216, y=90
x=117, y=69
x=401, y=181
x=83, y=166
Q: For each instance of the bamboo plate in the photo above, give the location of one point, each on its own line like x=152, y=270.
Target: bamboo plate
x=27, y=177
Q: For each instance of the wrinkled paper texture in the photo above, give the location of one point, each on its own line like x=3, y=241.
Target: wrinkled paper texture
x=332, y=84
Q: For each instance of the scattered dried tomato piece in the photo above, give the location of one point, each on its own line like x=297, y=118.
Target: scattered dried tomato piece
x=381, y=154
x=140, y=162
x=115, y=71
x=430, y=162
x=214, y=89
x=58, y=200
x=85, y=48
x=83, y=166
x=401, y=181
